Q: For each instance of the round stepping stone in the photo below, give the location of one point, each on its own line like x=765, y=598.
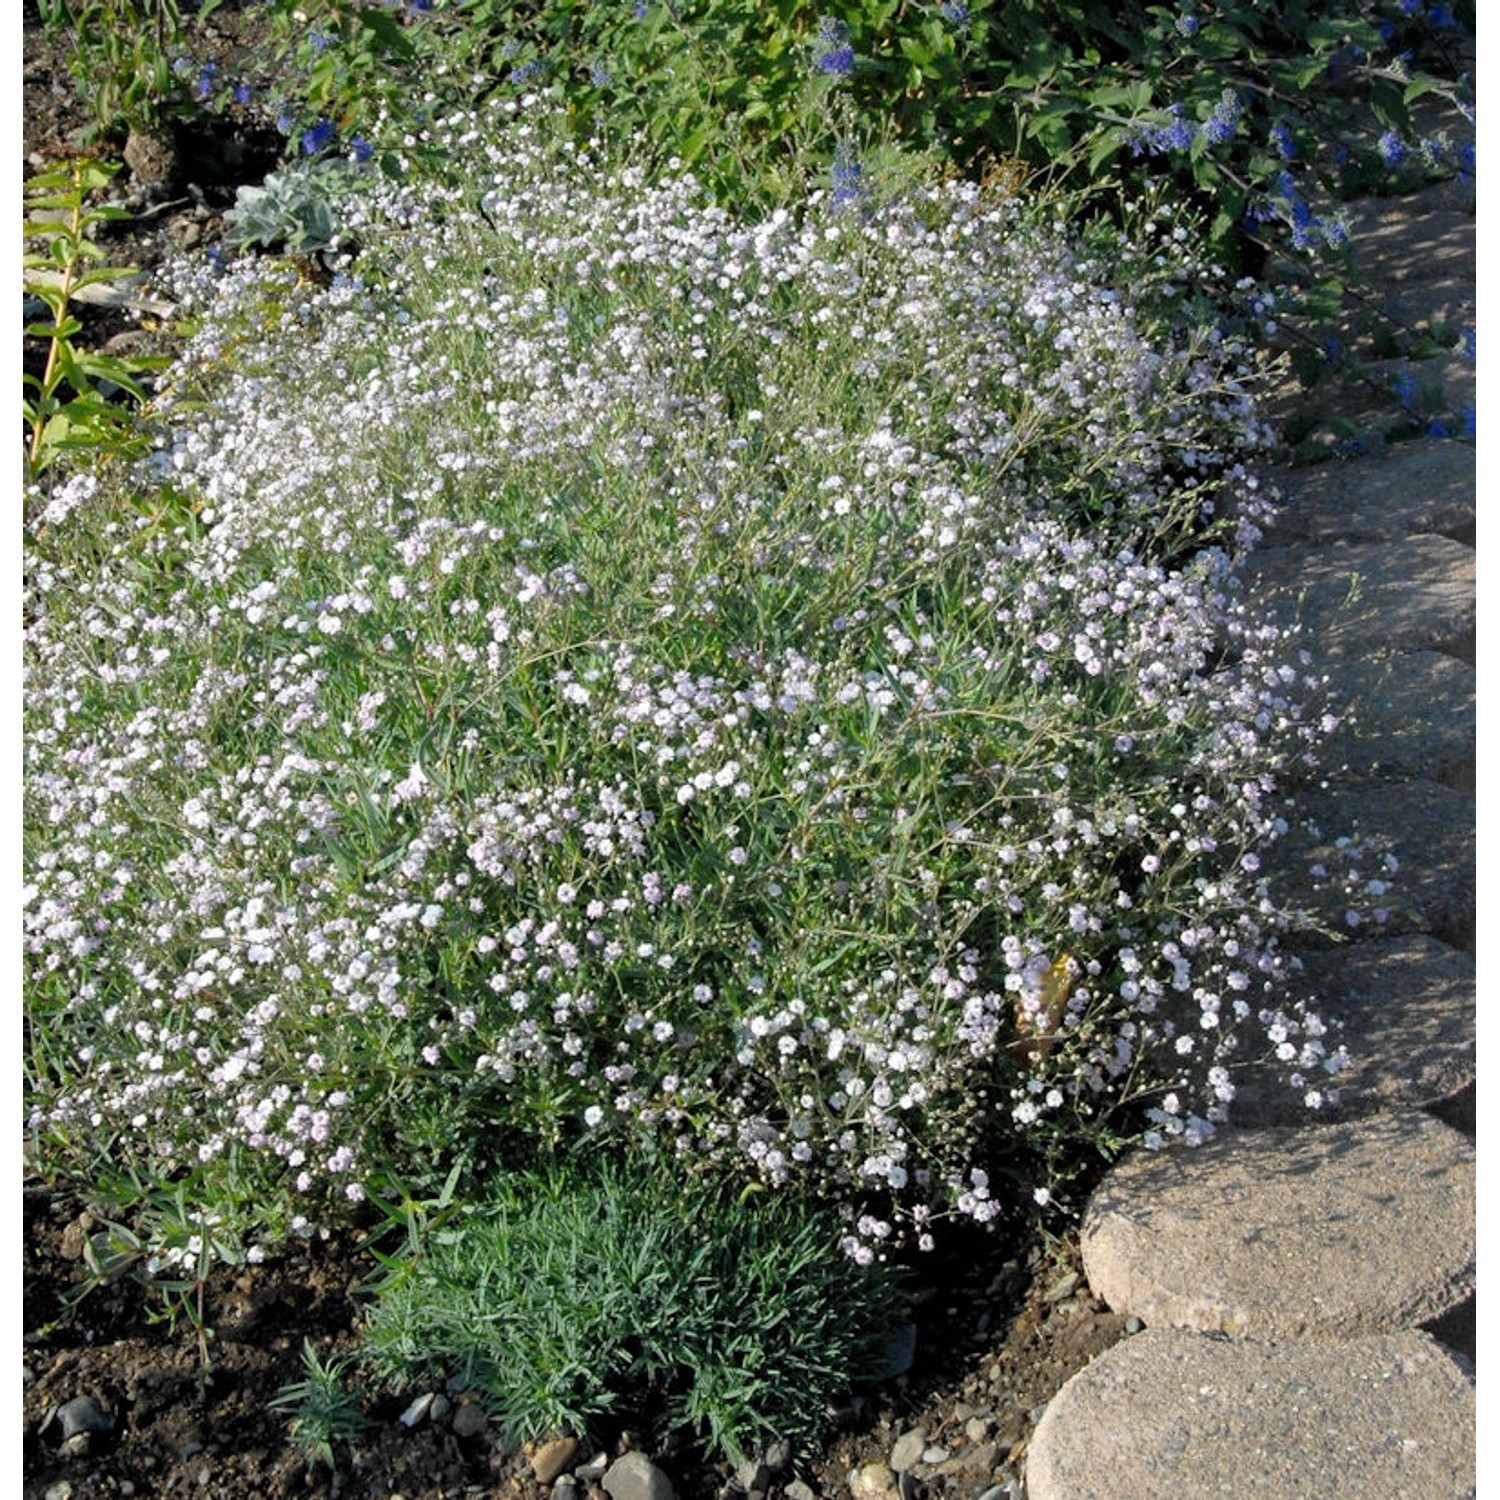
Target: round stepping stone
x=1180, y=1414
x=1323, y=1233
x=1410, y=715
x=1407, y=1008
x=1430, y=830
x=1356, y=599
x=1425, y=486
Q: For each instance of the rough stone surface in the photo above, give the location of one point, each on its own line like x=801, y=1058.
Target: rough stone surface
x=1290, y=1234
x=1182, y=1415
x=908, y=1449
x=1407, y=716
x=1427, y=828
x=1406, y=1006
x=552, y=1458
x=1358, y=598
x=633, y=1476
x=1416, y=488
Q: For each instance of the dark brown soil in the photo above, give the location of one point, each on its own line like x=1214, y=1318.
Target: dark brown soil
x=993, y=1345
x=995, y=1342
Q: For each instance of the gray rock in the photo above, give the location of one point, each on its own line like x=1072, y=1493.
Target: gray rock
x=1409, y=715
x=1429, y=829
x=1181, y=1414
x=1289, y=1234
x=907, y=1451
x=80, y=1415
x=633, y=1476
x=469, y=1419
x=797, y=1490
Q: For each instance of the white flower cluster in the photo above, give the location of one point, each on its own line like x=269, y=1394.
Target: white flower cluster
x=749, y=686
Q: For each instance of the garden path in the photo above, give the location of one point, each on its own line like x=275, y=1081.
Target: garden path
x=1305, y=1291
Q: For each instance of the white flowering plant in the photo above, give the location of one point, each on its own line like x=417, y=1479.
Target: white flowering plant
x=768, y=695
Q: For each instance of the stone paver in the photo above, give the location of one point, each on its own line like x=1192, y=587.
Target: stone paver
x=1290, y=1234
x=1407, y=1011
x=1421, y=487
x=1427, y=828
x=1359, y=598
x=1169, y=1414
x=1409, y=716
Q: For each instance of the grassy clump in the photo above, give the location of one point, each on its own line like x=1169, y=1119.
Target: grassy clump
x=573, y=1298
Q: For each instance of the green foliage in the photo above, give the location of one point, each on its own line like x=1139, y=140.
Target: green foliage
x=575, y=1296
x=323, y=1411
x=1226, y=99
x=161, y=1236
x=295, y=208
x=121, y=54
x=75, y=404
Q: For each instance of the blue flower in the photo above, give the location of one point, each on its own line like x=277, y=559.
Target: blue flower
x=599, y=73
x=286, y=119
x=838, y=62
x=1466, y=344
x=1224, y=121
x=1471, y=422
x=242, y=93
x=526, y=72
x=837, y=57
x=954, y=11
x=849, y=186
x=1404, y=388
x=1283, y=140
x=1177, y=136
x=1442, y=18
x=360, y=149
x=1187, y=25
x=321, y=41
x=1438, y=428
x=316, y=137
x=640, y=10
x=1392, y=149
x=204, y=86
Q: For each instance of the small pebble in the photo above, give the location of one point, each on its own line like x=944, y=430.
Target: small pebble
x=908, y=1449
x=469, y=1420
x=1133, y=1324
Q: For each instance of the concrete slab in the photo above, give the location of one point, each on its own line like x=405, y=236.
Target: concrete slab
x=1335, y=864
x=1409, y=716
x=1426, y=486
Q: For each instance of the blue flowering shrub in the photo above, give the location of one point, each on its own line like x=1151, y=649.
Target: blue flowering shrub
x=765, y=694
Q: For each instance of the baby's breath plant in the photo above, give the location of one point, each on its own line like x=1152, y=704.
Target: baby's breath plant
x=763, y=692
